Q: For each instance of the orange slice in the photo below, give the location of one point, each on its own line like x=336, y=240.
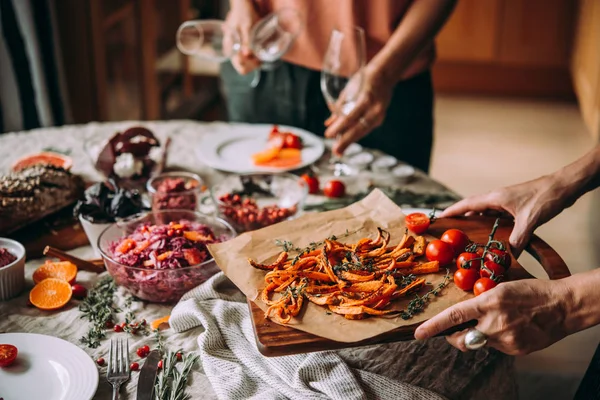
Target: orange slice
x=63, y=270
x=265, y=156
x=285, y=158
x=50, y=294
x=161, y=321
x=46, y=158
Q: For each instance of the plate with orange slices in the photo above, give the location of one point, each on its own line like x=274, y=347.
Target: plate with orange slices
x=261, y=148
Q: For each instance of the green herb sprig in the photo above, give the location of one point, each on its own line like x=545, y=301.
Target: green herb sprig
x=172, y=381
x=98, y=308
x=417, y=305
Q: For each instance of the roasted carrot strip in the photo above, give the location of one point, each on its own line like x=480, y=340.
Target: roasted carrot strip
x=420, y=269
x=419, y=246
x=279, y=262
x=349, y=276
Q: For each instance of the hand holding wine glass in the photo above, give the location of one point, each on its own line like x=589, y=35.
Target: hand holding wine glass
x=241, y=18
x=357, y=96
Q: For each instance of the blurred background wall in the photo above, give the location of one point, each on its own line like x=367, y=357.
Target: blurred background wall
x=121, y=63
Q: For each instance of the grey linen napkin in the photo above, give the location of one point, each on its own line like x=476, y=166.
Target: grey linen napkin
x=237, y=370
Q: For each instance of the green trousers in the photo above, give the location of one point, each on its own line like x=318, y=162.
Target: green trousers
x=291, y=95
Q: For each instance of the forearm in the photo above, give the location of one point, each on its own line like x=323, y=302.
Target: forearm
x=582, y=308
x=419, y=26
x=579, y=177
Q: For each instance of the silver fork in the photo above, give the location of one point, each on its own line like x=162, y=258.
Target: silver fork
x=118, y=371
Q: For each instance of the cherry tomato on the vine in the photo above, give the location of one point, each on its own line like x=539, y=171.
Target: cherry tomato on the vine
x=499, y=256
x=483, y=285
x=465, y=278
x=417, y=222
x=334, y=189
x=461, y=260
x=490, y=267
x=439, y=251
x=457, y=239
x=312, y=182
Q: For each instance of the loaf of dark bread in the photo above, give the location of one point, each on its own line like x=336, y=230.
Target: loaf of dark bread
x=34, y=193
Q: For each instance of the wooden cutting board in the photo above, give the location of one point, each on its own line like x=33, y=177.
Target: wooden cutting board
x=60, y=230
x=276, y=340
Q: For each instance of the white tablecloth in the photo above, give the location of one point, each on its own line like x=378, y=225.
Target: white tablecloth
x=431, y=364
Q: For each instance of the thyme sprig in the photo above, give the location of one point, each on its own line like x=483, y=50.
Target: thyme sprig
x=417, y=305
x=289, y=247
x=98, y=308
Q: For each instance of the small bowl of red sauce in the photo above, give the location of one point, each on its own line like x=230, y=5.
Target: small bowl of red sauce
x=175, y=191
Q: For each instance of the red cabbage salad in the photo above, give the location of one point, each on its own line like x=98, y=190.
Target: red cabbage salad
x=170, y=246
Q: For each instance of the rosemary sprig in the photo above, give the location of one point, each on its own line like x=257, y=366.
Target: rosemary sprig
x=98, y=308
x=418, y=304
x=172, y=381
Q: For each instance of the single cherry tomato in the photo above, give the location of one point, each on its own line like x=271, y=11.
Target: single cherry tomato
x=179, y=356
x=465, y=278
x=499, y=256
x=109, y=324
x=335, y=189
x=457, y=239
x=292, y=141
x=417, y=222
x=160, y=364
x=483, y=285
x=100, y=361
x=312, y=182
x=8, y=354
x=461, y=260
x=439, y=251
x=118, y=328
x=134, y=366
x=490, y=267
x=79, y=291
x=146, y=348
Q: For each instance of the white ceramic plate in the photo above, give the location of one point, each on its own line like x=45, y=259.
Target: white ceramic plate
x=232, y=151
x=47, y=368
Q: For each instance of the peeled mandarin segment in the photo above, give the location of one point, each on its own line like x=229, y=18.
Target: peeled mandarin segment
x=64, y=270
x=50, y=294
x=158, y=322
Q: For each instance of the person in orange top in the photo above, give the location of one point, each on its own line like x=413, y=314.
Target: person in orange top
x=394, y=112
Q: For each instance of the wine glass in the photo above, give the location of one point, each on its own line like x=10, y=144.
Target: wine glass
x=272, y=37
x=211, y=40
x=342, y=78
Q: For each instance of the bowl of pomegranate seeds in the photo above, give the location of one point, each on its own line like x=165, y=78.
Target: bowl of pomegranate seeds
x=175, y=191
x=161, y=255
x=253, y=201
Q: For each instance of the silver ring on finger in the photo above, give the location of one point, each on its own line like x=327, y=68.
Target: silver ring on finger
x=364, y=122
x=474, y=339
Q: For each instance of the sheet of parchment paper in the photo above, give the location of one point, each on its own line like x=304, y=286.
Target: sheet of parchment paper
x=360, y=219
